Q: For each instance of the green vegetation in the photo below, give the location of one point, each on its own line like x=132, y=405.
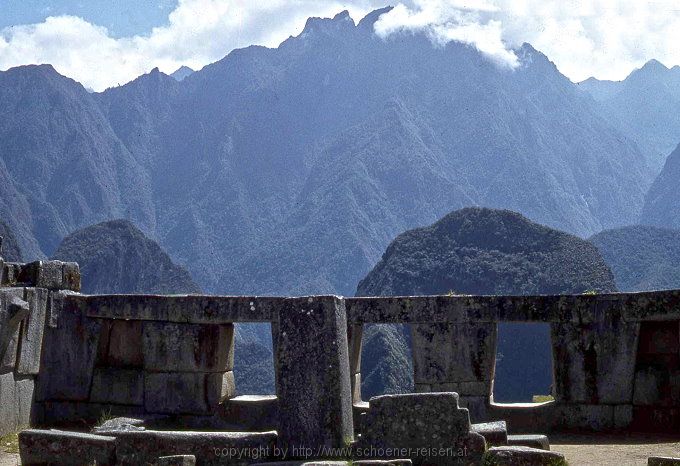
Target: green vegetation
x=10, y=443
x=105, y=416
x=542, y=398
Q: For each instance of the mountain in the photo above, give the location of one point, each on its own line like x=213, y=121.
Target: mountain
x=489, y=252
x=643, y=258
x=116, y=257
x=289, y=170
x=182, y=72
x=62, y=167
x=662, y=204
x=645, y=107
x=10, y=250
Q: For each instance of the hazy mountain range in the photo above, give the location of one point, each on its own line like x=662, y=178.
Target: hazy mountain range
x=289, y=170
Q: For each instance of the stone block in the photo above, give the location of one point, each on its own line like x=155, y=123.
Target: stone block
x=477, y=406
x=71, y=276
x=119, y=424
x=523, y=456
x=30, y=348
x=648, y=385
x=539, y=442
x=582, y=416
x=117, y=386
x=446, y=353
x=177, y=460
x=71, y=348
x=313, y=376
x=252, y=412
x=623, y=416
x=171, y=346
x=595, y=362
x=16, y=400
x=663, y=461
x=354, y=339
x=121, y=344
x=183, y=392
x=356, y=388
x=432, y=420
x=13, y=310
x=211, y=310
x=40, y=447
x=9, y=357
x=495, y=433
x=211, y=448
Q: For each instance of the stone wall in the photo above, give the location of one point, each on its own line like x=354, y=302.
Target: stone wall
x=72, y=358
x=26, y=296
x=603, y=378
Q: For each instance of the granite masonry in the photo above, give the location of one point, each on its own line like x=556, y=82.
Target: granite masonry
x=165, y=365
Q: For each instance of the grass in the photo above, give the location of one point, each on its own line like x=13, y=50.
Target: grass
x=10, y=443
x=542, y=398
x=105, y=415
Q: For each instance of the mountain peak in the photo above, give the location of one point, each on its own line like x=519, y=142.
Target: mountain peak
x=182, y=72
x=340, y=21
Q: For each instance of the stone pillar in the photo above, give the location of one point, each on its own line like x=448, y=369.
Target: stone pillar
x=354, y=336
x=313, y=374
x=456, y=357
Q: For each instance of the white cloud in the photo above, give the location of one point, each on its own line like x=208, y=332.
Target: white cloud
x=198, y=32
x=605, y=38
x=602, y=38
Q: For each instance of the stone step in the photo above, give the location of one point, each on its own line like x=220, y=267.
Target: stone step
x=495, y=433
x=523, y=456
x=540, y=442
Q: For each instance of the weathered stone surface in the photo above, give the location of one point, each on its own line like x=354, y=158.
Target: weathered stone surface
x=523, y=456
x=313, y=377
x=118, y=386
x=477, y=406
x=119, y=424
x=121, y=344
x=429, y=420
x=414, y=420
x=495, y=433
x=16, y=399
x=71, y=276
x=595, y=362
x=663, y=461
x=623, y=416
x=13, y=310
x=183, y=392
x=648, y=383
x=9, y=356
x=539, y=442
x=32, y=332
x=212, y=310
x=39, y=447
x=170, y=346
x=71, y=348
x=591, y=417
x=254, y=412
x=460, y=353
x=210, y=448
x=177, y=460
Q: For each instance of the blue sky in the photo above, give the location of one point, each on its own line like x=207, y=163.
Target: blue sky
x=106, y=43
x=121, y=17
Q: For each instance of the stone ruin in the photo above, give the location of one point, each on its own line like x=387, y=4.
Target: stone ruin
x=136, y=379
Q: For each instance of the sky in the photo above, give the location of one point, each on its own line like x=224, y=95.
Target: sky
x=104, y=43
